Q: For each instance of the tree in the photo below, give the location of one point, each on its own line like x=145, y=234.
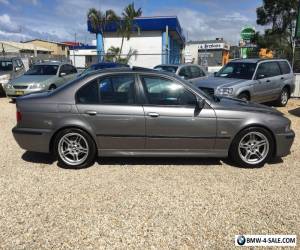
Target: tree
x=126, y=23
x=99, y=19
x=280, y=15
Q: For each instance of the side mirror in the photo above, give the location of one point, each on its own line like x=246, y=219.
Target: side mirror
x=215, y=73
x=62, y=74
x=200, y=103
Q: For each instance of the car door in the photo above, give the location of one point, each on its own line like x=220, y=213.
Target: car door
x=286, y=77
x=110, y=106
x=172, y=119
x=267, y=81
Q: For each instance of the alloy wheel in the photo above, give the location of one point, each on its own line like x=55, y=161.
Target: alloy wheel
x=73, y=149
x=253, y=148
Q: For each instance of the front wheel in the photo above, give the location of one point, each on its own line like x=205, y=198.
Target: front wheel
x=74, y=148
x=252, y=147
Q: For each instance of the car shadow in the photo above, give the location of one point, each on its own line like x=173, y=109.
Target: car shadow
x=295, y=112
x=153, y=161
x=35, y=157
x=43, y=158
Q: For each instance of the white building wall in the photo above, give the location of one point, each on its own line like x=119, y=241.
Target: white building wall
x=148, y=46
x=78, y=56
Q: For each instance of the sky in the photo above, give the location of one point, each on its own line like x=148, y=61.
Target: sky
x=59, y=20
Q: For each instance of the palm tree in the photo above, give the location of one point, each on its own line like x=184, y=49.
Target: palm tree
x=99, y=19
x=126, y=23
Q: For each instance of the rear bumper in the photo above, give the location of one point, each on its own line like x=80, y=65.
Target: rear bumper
x=36, y=140
x=284, y=143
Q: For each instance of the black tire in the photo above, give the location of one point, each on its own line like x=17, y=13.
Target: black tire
x=91, y=149
x=283, y=98
x=52, y=87
x=234, y=148
x=244, y=97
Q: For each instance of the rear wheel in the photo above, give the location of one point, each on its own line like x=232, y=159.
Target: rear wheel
x=283, y=98
x=74, y=148
x=252, y=147
x=244, y=97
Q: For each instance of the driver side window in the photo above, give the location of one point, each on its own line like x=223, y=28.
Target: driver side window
x=165, y=92
x=186, y=73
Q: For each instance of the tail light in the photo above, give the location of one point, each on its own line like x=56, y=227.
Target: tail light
x=19, y=116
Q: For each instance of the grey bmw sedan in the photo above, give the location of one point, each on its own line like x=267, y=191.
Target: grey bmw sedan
x=138, y=113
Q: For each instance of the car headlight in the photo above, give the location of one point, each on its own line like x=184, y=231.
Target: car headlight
x=225, y=91
x=36, y=86
x=4, y=79
x=8, y=86
x=288, y=128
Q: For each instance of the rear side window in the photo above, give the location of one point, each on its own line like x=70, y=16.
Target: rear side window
x=268, y=69
x=285, y=67
x=111, y=90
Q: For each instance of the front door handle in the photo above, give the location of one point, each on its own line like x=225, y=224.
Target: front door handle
x=91, y=112
x=268, y=81
x=151, y=114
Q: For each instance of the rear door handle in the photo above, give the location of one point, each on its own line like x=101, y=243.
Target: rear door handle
x=152, y=114
x=91, y=112
x=282, y=78
x=268, y=81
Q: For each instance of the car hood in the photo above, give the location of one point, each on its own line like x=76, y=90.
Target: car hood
x=2, y=73
x=215, y=82
x=26, y=79
x=240, y=105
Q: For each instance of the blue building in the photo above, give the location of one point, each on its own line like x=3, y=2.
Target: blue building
x=160, y=40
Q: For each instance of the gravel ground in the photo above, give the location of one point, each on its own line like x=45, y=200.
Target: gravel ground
x=142, y=203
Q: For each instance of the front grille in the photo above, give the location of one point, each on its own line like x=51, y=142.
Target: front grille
x=209, y=91
x=20, y=87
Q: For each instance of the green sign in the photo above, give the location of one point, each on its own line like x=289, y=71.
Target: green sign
x=247, y=33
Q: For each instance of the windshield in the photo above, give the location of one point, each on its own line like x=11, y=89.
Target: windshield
x=239, y=70
x=42, y=70
x=6, y=66
x=167, y=68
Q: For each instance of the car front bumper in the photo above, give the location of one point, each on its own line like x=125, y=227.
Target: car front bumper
x=13, y=93
x=284, y=143
x=35, y=140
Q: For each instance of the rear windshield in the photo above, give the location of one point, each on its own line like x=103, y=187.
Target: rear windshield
x=6, y=66
x=42, y=70
x=167, y=68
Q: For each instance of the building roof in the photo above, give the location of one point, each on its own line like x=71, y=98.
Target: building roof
x=156, y=23
x=23, y=46
x=60, y=43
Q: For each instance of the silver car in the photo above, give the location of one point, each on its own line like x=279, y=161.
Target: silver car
x=41, y=77
x=136, y=112
x=258, y=80
x=190, y=72
x=10, y=68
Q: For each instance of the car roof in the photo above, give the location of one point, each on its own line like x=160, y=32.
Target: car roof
x=138, y=70
x=50, y=63
x=255, y=60
x=2, y=58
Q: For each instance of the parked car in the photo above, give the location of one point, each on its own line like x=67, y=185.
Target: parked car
x=258, y=80
x=136, y=112
x=191, y=72
x=103, y=65
x=10, y=68
x=41, y=77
